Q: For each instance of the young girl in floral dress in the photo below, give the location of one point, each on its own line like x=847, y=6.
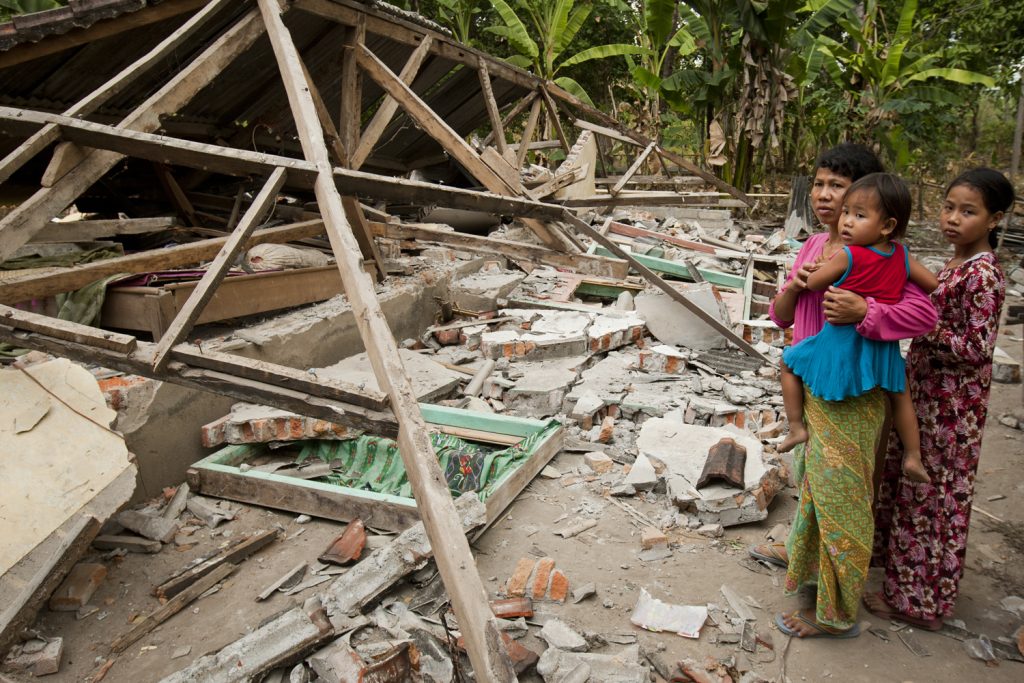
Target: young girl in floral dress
x=921, y=528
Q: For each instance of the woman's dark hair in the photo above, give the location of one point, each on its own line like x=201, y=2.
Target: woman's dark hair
x=893, y=198
x=851, y=160
x=995, y=190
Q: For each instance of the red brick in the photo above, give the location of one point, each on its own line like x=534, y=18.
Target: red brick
x=559, y=586
x=512, y=608
x=78, y=587
x=515, y=587
x=540, y=579
x=522, y=657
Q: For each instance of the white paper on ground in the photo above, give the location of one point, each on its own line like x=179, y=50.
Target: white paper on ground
x=654, y=615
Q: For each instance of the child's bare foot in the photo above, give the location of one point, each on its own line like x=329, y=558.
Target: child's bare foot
x=797, y=434
x=913, y=468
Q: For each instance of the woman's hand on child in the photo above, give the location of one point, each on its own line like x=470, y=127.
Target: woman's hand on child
x=800, y=275
x=843, y=307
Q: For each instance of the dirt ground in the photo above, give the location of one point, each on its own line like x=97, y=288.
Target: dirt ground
x=606, y=555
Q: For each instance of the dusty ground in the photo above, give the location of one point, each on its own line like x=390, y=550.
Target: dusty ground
x=606, y=555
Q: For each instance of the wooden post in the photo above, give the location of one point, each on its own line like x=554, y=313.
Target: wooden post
x=375, y=128
x=531, y=126
x=22, y=223
x=555, y=122
x=452, y=553
x=43, y=138
x=351, y=88
x=492, y=107
x=633, y=169
x=515, y=111
x=215, y=274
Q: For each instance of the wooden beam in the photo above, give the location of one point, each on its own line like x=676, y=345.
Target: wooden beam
x=555, y=121
x=80, y=231
x=558, y=182
x=492, y=107
x=243, y=163
x=583, y=263
x=437, y=128
x=62, y=329
x=671, y=291
x=174, y=193
x=454, y=558
x=363, y=234
x=48, y=135
x=388, y=106
x=218, y=270
x=17, y=227
x=641, y=198
x=274, y=392
x=531, y=126
x=606, y=132
x=637, y=163
x=515, y=111
x=351, y=89
x=48, y=284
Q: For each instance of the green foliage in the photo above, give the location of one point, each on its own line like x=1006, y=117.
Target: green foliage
x=12, y=8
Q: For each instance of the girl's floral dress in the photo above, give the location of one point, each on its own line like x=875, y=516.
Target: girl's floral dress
x=921, y=529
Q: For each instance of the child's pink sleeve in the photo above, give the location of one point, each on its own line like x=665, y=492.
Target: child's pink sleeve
x=912, y=316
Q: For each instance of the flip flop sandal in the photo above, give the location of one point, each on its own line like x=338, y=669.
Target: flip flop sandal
x=818, y=630
x=892, y=615
x=772, y=557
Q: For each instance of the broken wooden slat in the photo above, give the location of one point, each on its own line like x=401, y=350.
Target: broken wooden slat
x=644, y=198
x=43, y=138
x=172, y=607
x=76, y=231
x=606, y=132
x=531, y=126
x=292, y=574
x=17, y=227
x=48, y=284
x=583, y=263
x=492, y=107
x=63, y=329
x=672, y=292
x=515, y=111
x=555, y=121
x=558, y=182
x=218, y=269
x=386, y=110
x=230, y=555
x=456, y=563
x=637, y=163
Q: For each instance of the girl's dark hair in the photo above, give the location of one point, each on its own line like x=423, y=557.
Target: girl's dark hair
x=893, y=198
x=995, y=190
x=851, y=160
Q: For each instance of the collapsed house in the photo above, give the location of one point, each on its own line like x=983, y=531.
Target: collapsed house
x=445, y=299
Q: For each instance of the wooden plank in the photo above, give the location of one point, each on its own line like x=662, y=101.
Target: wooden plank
x=48, y=284
x=555, y=121
x=62, y=329
x=269, y=393
x=282, y=375
x=388, y=106
x=30, y=216
x=610, y=133
x=531, y=126
x=66, y=155
x=517, y=109
x=452, y=143
x=681, y=270
x=171, y=607
x=558, y=182
x=243, y=163
x=641, y=198
x=672, y=292
x=637, y=163
x=514, y=483
x=492, y=106
x=443, y=527
x=233, y=554
x=351, y=89
x=218, y=269
x=633, y=231
x=174, y=192
x=584, y=263
x=81, y=231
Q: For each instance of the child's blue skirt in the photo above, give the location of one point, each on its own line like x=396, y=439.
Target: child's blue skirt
x=838, y=363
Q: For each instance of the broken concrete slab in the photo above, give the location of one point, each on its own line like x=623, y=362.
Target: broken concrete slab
x=642, y=475
x=481, y=291
x=683, y=449
x=670, y=324
x=152, y=526
x=663, y=358
x=560, y=635
x=540, y=391
x=36, y=657
x=557, y=666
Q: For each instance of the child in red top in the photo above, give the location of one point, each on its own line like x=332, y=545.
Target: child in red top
x=838, y=363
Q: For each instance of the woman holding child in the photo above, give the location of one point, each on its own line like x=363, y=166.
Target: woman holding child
x=830, y=543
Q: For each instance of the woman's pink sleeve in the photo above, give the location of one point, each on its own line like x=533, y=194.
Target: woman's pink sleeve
x=801, y=257
x=912, y=316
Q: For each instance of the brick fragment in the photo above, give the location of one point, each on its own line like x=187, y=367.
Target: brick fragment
x=35, y=657
x=607, y=429
x=522, y=657
x=542, y=576
x=78, y=587
x=652, y=537
x=515, y=587
x=559, y=589
x=512, y=608
x=598, y=462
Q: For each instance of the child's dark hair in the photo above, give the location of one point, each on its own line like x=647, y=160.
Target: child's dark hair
x=851, y=160
x=893, y=198
x=995, y=190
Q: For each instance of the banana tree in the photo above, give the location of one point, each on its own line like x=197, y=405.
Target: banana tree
x=458, y=15
x=555, y=24
x=885, y=78
x=11, y=8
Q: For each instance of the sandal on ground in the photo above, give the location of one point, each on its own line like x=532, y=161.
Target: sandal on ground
x=892, y=615
x=818, y=631
x=769, y=552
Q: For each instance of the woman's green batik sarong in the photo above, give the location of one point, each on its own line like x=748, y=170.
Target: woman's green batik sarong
x=830, y=543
